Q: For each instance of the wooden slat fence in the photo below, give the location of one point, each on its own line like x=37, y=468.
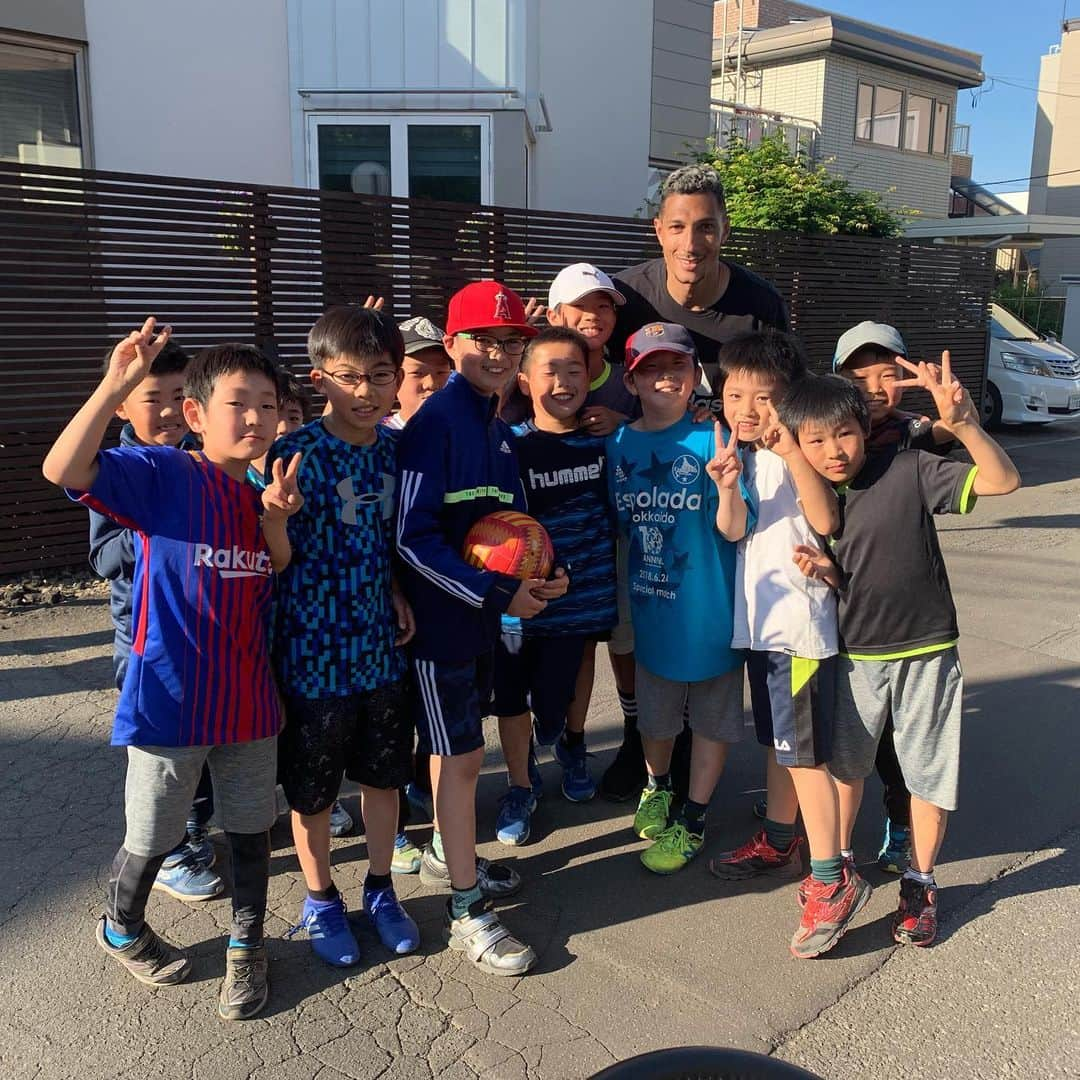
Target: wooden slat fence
x=85, y=255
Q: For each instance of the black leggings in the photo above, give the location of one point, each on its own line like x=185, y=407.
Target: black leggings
x=131, y=878
x=896, y=797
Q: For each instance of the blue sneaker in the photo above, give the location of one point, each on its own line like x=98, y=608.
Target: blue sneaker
x=184, y=877
x=895, y=853
x=577, y=782
x=328, y=930
x=535, y=778
x=395, y=928
x=420, y=801
x=515, y=813
x=198, y=843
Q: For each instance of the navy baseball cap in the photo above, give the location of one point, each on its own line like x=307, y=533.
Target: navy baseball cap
x=658, y=337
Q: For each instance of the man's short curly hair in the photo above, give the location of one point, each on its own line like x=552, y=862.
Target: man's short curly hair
x=693, y=180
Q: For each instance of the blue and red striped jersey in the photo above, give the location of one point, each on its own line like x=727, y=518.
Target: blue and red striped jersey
x=199, y=673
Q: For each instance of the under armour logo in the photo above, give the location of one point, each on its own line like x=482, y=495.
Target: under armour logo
x=502, y=307
x=353, y=499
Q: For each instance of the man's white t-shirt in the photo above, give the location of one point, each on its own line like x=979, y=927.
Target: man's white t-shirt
x=778, y=608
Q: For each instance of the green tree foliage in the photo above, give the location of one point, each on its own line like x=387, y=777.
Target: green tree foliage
x=769, y=187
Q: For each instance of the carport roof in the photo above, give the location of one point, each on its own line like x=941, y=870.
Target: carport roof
x=1005, y=230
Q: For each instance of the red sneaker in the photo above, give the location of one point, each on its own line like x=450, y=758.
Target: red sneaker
x=915, y=921
x=828, y=913
x=757, y=857
x=804, y=885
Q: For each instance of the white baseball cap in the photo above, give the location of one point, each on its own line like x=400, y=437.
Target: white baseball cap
x=867, y=333
x=573, y=282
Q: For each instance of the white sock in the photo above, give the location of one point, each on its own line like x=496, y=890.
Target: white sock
x=846, y=853
x=918, y=875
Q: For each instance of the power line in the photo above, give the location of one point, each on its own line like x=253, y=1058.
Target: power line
x=1023, y=179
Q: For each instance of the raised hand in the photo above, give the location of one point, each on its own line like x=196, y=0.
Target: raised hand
x=725, y=467
x=132, y=357
x=281, y=498
x=953, y=402
x=535, y=312
x=374, y=302
x=776, y=436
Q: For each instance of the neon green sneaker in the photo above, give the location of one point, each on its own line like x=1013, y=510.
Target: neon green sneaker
x=672, y=849
x=652, y=813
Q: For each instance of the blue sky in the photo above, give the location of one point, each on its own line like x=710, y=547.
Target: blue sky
x=1011, y=39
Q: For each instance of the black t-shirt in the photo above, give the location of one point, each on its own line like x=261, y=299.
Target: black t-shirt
x=894, y=595
x=749, y=302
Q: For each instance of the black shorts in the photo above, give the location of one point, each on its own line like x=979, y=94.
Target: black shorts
x=367, y=737
x=794, y=702
x=537, y=674
x=451, y=703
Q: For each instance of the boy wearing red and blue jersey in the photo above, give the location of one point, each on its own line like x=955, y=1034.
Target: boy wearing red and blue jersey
x=198, y=688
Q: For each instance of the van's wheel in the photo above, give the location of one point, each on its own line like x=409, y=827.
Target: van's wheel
x=991, y=408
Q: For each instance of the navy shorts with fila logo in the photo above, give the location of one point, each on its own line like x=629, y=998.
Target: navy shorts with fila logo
x=794, y=703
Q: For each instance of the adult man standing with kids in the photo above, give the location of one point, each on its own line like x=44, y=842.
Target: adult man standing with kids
x=715, y=300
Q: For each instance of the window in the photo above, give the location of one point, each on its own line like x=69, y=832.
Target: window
x=917, y=123
x=443, y=156
x=941, y=128
x=890, y=117
x=40, y=104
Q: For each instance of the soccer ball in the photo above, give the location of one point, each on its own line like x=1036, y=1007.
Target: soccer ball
x=509, y=542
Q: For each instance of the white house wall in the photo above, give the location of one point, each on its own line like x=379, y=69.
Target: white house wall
x=198, y=88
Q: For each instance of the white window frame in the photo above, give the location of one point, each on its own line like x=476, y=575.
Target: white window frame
x=399, y=122
x=82, y=83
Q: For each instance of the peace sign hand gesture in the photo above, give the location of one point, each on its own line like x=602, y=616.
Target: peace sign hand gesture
x=132, y=357
x=776, y=436
x=725, y=467
x=281, y=498
x=953, y=402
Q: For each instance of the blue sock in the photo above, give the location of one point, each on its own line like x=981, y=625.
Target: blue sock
x=463, y=899
x=115, y=938
x=779, y=834
x=827, y=871
x=234, y=944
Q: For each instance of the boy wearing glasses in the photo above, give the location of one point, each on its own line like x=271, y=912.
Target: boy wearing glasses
x=457, y=464
x=339, y=627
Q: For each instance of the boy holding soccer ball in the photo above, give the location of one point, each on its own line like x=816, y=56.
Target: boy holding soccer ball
x=537, y=662
x=456, y=464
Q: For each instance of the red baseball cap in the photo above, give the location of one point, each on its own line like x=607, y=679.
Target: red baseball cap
x=484, y=305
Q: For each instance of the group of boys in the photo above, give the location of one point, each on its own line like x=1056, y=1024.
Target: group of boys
x=294, y=605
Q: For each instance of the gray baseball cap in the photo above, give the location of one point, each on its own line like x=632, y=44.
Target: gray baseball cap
x=420, y=333
x=867, y=333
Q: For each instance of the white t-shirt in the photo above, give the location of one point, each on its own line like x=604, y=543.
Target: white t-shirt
x=778, y=608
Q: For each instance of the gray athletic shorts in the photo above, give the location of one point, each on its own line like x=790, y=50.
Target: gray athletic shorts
x=715, y=706
x=924, y=697
x=621, y=642
x=161, y=782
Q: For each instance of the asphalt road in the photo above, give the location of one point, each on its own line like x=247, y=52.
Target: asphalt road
x=628, y=962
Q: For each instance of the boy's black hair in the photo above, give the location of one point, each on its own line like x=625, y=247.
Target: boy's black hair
x=170, y=360
x=210, y=364
x=360, y=333
x=880, y=354
x=292, y=390
x=558, y=335
x=766, y=352
x=823, y=399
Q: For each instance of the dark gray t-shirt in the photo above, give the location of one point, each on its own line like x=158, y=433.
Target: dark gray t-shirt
x=894, y=595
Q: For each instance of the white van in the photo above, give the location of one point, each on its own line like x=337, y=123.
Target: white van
x=1029, y=379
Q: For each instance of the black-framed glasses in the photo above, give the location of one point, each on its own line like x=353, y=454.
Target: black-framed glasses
x=352, y=379
x=513, y=346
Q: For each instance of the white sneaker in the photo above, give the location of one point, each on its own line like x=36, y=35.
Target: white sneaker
x=341, y=822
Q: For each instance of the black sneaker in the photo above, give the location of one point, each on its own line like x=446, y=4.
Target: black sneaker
x=246, y=985
x=625, y=776
x=151, y=959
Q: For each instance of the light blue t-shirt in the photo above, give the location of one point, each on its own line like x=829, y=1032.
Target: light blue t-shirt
x=681, y=570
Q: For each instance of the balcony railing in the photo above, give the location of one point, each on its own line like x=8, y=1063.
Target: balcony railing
x=751, y=125
x=961, y=138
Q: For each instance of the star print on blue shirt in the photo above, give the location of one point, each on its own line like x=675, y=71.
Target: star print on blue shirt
x=334, y=624
x=681, y=570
